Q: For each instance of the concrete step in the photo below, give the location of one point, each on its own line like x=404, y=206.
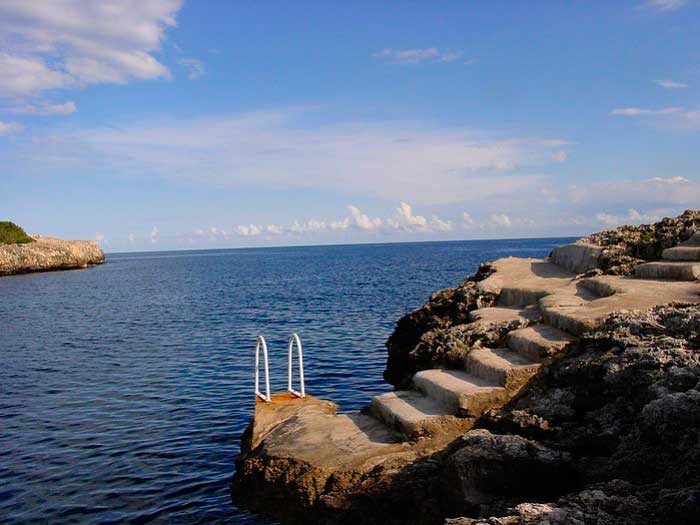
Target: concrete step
x=497, y=315
x=686, y=251
x=682, y=253
x=416, y=415
x=678, y=271
x=578, y=257
x=521, y=282
x=464, y=393
x=538, y=342
x=520, y=295
x=501, y=366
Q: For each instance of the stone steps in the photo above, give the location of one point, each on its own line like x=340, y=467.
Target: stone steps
x=538, y=342
x=522, y=282
x=498, y=314
x=685, y=251
x=464, y=394
x=501, y=366
x=675, y=270
x=416, y=415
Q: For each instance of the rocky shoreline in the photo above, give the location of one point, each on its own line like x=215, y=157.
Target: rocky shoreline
x=556, y=391
x=48, y=254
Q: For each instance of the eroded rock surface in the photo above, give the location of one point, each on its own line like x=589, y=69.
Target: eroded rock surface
x=625, y=407
x=46, y=254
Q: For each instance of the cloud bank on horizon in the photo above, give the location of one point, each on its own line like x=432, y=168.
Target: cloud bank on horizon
x=137, y=128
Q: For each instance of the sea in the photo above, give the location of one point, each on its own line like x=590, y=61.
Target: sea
x=125, y=387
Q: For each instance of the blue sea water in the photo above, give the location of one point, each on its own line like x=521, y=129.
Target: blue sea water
x=124, y=388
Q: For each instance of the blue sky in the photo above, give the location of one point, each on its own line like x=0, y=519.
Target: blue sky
x=160, y=124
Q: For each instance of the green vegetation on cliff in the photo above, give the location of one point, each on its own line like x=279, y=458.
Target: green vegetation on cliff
x=10, y=233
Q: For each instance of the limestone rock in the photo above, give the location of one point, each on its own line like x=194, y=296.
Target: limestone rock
x=46, y=253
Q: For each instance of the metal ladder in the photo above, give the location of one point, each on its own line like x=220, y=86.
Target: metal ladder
x=293, y=340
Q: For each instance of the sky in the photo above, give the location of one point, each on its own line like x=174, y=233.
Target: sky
x=168, y=124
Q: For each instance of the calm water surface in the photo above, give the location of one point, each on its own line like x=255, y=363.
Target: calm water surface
x=124, y=388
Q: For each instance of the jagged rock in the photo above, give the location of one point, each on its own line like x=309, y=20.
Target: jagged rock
x=626, y=246
x=490, y=467
x=46, y=253
x=443, y=310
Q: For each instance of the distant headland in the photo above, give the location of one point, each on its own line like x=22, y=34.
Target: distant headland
x=22, y=253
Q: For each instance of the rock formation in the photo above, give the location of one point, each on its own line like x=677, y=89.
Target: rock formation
x=46, y=253
x=537, y=391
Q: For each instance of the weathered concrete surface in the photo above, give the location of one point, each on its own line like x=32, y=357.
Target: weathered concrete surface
x=307, y=460
x=576, y=309
x=685, y=251
x=502, y=366
x=578, y=257
x=678, y=270
x=416, y=415
x=46, y=254
x=521, y=282
x=466, y=394
x=538, y=342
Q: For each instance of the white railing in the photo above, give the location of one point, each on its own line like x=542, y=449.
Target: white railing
x=294, y=339
x=261, y=342
x=300, y=354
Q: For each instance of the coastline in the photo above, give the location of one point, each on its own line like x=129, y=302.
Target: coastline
x=48, y=254
x=528, y=446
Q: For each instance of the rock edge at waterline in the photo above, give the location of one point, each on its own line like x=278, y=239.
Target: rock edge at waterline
x=48, y=254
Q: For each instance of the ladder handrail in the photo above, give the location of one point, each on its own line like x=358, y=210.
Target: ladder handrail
x=261, y=341
x=294, y=338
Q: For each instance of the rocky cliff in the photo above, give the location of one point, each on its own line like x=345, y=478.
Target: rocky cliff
x=46, y=254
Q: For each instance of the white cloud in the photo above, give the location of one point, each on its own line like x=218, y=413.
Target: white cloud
x=467, y=219
x=502, y=220
x=439, y=225
x=253, y=230
x=67, y=108
x=9, y=127
x=417, y=56
x=633, y=217
x=404, y=220
x=57, y=44
x=154, y=234
x=666, y=5
x=362, y=221
x=670, y=84
x=669, y=180
x=672, y=117
x=560, y=156
x=635, y=112
x=398, y=161
x=131, y=237
x=193, y=66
